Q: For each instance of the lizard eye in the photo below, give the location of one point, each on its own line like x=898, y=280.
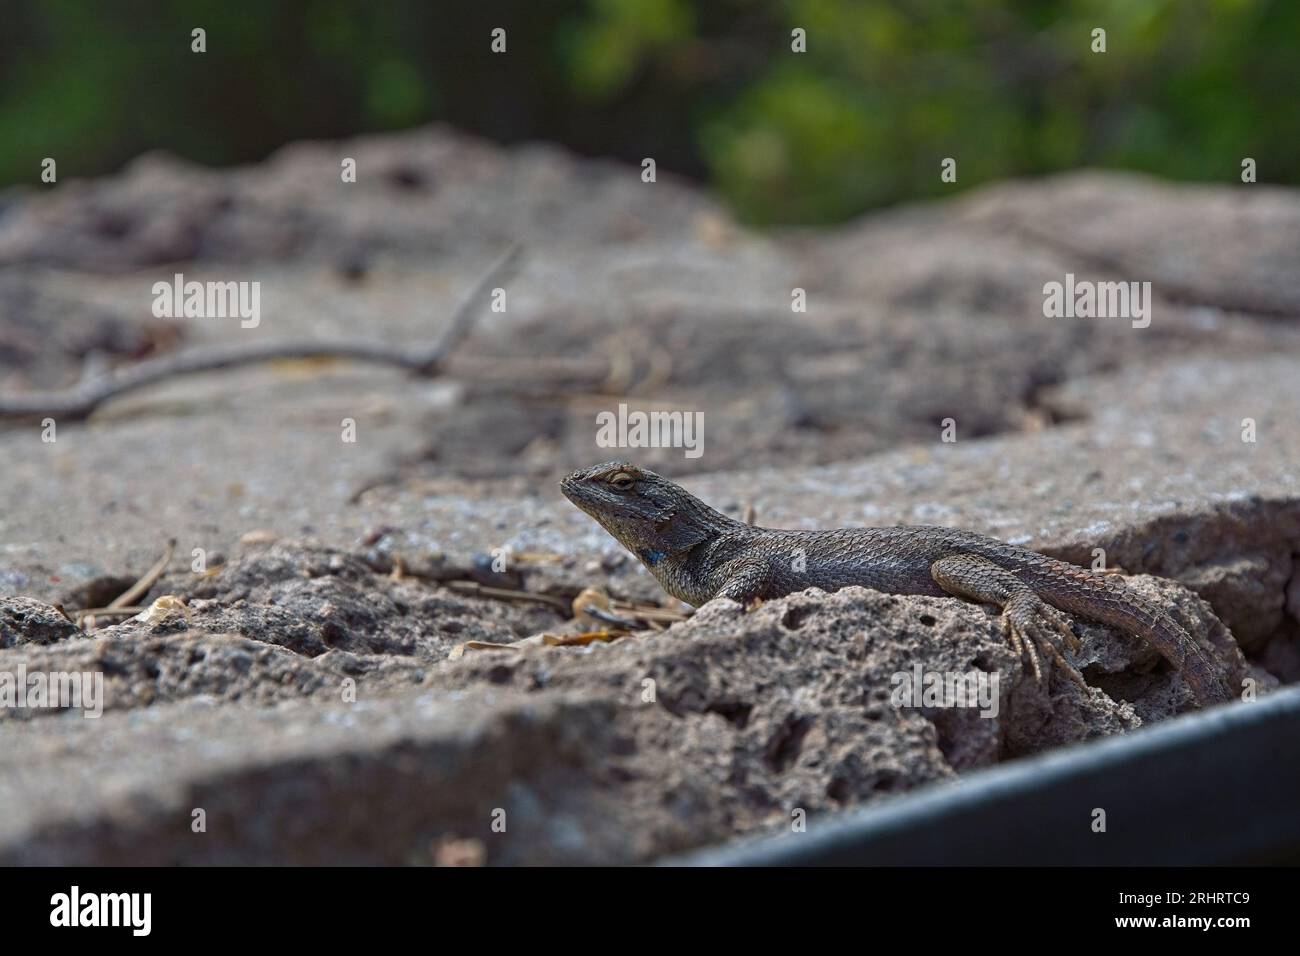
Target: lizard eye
x=622, y=481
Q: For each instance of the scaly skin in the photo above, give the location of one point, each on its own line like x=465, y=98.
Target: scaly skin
x=697, y=554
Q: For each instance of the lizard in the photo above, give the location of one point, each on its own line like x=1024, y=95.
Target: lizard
x=696, y=553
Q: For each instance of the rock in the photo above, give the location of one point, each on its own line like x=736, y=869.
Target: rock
x=302, y=695
x=141, y=669
x=728, y=722
x=318, y=784
x=1185, y=239
x=313, y=600
x=24, y=621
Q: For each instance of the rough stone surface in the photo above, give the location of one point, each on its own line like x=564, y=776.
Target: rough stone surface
x=24, y=621
x=140, y=668
x=302, y=689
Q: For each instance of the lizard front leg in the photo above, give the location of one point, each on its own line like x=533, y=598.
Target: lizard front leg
x=746, y=582
x=1028, y=619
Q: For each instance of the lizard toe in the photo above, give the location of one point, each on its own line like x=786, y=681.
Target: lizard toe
x=1042, y=630
x=1022, y=642
x=1062, y=624
x=1047, y=631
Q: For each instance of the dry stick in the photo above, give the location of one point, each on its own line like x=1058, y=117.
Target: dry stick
x=475, y=589
x=652, y=614
x=141, y=587
x=79, y=402
x=607, y=617
x=107, y=612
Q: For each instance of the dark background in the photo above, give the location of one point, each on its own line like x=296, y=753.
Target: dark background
x=1186, y=89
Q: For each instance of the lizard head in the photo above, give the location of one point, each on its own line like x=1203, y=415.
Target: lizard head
x=648, y=514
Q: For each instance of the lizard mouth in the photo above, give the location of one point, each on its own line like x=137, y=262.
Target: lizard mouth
x=572, y=489
x=588, y=499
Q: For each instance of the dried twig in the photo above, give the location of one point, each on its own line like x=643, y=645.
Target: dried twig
x=79, y=402
x=604, y=616
x=592, y=606
x=541, y=640
x=475, y=589
x=605, y=636
x=108, y=612
x=652, y=614
x=141, y=587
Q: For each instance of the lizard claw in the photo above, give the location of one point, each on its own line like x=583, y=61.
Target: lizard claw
x=1027, y=626
x=1058, y=619
x=1013, y=637
x=1023, y=645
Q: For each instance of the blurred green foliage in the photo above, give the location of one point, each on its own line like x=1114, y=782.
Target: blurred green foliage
x=710, y=88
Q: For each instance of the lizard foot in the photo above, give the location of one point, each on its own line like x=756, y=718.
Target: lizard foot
x=1033, y=629
x=1062, y=625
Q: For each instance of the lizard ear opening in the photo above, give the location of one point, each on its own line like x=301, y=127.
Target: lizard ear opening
x=677, y=532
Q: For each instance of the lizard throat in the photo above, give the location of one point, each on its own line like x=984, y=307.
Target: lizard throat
x=650, y=556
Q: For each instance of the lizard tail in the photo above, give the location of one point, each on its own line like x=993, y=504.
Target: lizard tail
x=1091, y=596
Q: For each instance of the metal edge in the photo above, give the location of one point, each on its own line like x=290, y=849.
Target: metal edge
x=1220, y=786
